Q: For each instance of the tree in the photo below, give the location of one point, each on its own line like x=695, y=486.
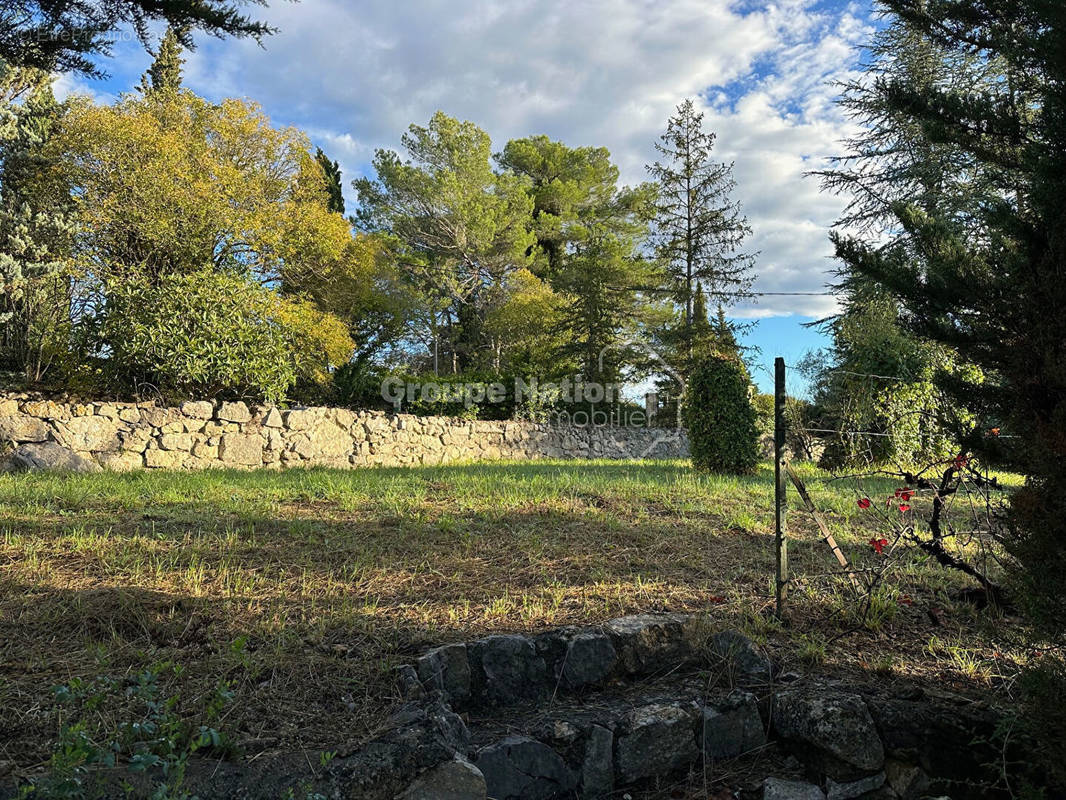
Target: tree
x=36, y=231
x=698, y=228
x=568, y=185
x=720, y=417
x=986, y=278
x=455, y=227
x=332, y=172
x=171, y=183
x=165, y=72
x=604, y=278
x=65, y=35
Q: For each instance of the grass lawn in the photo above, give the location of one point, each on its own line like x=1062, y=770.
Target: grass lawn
x=300, y=590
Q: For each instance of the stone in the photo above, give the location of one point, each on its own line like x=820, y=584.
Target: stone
x=198, y=409
x=780, y=789
x=20, y=428
x=177, y=441
x=89, y=433
x=648, y=642
x=50, y=456
x=909, y=781
x=590, y=657
x=328, y=442
x=164, y=459
x=408, y=682
x=234, y=412
x=656, y=739
x=597, y=765
x=732, y=726
x=746, y=664
x=453, y=780
x=446, y=669
x=832, y=728
x=511, y=667
x=8, y=407
x=300, y=419
x=129, y=414
x=273, y=418
x=46, y=409
x=520, y=768
x=853, y=789
x=120, y=461
x=241, y=449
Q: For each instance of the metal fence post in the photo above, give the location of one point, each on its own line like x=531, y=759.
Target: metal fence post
x=780, y=478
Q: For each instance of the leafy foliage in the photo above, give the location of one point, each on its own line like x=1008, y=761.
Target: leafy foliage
x=720, y=417
x=214, y=334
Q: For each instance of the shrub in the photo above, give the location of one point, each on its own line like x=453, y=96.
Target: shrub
x=720, y=418
x=215, y=335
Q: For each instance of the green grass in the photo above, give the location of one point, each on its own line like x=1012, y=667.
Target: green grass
x=303, y=589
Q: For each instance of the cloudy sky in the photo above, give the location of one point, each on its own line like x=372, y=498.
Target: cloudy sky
x=587, y=72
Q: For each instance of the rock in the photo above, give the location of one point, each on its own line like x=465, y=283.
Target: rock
x=88, y=433
x=656, y=739
x=853, y=789
x=407, y=681
x=121, y=461
x=329, y=442
x=452, y=780
x=300, y=419
x=520, y=768
x=597, y=766
x=19, y=428
x=241, y=449
x=746, y=664
x=164, y=459
x=908, y=781
x=511, y=667
x=234, y=412
x=446, y=669
x=732, y=727
x=199, y=409
x=647, y=642
x=779, y=789
x=590, y=657
x=177, y=441
x=273, y=418
x=834, y=729
x=49, y=456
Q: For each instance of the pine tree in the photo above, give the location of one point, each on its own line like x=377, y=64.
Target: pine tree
x=332, y=171
x=165, y=72
x=36, y=230
x=984, y=276
x=699, y=229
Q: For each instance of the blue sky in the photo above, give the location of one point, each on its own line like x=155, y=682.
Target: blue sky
x=596, y=72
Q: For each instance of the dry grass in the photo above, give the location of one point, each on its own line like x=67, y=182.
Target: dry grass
x=303, y=589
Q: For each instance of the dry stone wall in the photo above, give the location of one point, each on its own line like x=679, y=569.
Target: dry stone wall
x=42, y=434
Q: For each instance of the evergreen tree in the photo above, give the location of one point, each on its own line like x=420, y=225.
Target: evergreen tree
x=332, y=171
x=36, y=230
x=699, y=229
x=65, y=35
x=985, y=277
x=165, y=72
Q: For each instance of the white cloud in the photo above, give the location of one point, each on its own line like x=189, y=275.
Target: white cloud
x=602, y=72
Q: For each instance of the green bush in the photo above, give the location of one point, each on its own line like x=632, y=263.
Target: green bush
x=214, y=335
x=720, y=418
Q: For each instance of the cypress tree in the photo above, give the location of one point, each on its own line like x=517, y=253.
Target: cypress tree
x=165, y=72
x=332, y=171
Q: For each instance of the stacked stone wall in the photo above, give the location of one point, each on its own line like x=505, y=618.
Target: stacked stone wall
x=204, y=434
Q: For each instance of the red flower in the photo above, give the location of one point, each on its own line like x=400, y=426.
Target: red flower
x=716, y=599
x=905, y=600
x=904, y=507
x=906, y=494
x=878, y=545
x=864, y=502
x=995, y=431
x=961, y=461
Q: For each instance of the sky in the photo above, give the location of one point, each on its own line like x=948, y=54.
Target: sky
x=609, y=73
